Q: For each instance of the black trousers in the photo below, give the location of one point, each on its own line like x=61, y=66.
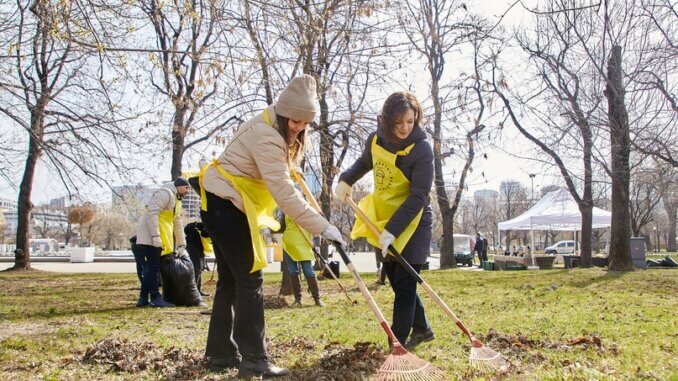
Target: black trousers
x=197, y=256
x=408, y=311
x=237, y=323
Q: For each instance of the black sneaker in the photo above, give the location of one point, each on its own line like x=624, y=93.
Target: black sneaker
x=218, y=365
x=260, y=368
x=418, y=338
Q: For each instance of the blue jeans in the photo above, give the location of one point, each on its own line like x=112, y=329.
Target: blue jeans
x=151, y=257
x=293, y=267
x=408, y=311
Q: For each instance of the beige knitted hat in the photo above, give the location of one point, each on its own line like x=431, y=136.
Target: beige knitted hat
x=298, y=100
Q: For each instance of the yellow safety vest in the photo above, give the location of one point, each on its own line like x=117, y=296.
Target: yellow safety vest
x=294, y=243
x=258, y=203
x=391, y=188
x=166, y=226
x=206, y=245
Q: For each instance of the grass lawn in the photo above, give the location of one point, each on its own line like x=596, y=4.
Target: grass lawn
x=578, y=324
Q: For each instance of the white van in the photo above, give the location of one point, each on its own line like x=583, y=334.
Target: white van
x=560, y=247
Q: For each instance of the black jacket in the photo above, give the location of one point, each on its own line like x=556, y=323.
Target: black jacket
x=417, y=167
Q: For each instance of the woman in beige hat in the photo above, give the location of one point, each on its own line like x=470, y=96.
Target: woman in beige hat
x=240, y=191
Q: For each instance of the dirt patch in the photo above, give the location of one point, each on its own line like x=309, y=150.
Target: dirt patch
x=339, y=362
x=8, y=330
x=522, y=347
x=275, y=302
x=133, y=357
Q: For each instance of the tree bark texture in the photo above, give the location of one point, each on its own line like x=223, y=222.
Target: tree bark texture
x=620, y=246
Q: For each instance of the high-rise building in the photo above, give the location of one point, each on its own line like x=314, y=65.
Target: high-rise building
x=58, y=203
x=6, y=204
x=485, y=194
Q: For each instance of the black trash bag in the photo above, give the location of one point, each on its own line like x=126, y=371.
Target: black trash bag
x=178, y=281
x=653, y=263
x=669, y=262
x=334, y=266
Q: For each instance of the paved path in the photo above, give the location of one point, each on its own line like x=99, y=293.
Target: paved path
x=364, y=262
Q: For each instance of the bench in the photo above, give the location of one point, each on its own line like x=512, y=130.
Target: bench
x=502, y=262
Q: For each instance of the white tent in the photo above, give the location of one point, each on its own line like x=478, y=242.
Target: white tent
x=557, y=210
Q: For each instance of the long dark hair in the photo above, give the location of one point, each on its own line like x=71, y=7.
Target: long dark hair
x=394, y=108
x=295, y=151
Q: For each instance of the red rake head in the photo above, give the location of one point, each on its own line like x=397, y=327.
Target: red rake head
x=401, y=365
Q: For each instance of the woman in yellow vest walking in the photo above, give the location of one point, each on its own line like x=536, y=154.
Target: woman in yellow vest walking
x=297, y=252
x=242, y=189
x=401, y=161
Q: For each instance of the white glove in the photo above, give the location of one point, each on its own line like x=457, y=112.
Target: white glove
x=333, y=234
x=182, y=252
x=385, y=240
x=156, y=241
x=265, y=232
x=343, y=190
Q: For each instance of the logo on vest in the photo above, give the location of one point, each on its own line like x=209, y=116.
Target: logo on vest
x=383, y=178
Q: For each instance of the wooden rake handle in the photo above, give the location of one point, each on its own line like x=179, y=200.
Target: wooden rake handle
x=366, y=293
x=314, y=203
x=410, y=270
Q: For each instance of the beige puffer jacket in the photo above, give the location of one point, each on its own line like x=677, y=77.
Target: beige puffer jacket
x=259, y=151
x=164, y=198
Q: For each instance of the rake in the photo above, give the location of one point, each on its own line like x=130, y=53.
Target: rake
x=400, y=365
x=314, y=203
x=481, y=356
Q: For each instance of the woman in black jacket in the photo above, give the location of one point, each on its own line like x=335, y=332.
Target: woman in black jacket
x=402, y=163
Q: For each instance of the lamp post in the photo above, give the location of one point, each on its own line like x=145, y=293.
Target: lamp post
x=532, y=176
x=656, y=232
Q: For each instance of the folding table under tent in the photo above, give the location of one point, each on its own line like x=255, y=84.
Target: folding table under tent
x=557, y=210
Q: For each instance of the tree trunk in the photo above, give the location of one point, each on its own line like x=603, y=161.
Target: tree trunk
x=178, y=137
x=327, y=166
x=620, y=246
x=671, y=209
x=586, y=224
x=447, y=258
x=22, y=259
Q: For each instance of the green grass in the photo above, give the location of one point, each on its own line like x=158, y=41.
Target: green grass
x=49, y=320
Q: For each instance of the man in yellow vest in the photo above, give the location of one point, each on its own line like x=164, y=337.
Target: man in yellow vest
x=158, y=228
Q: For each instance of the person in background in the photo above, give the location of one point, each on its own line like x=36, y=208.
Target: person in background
x=138, y=259
x=401, y=161
x=158, y=227
x=198, y=243
x=478, y=248
x=297, y=252
x=241, y=190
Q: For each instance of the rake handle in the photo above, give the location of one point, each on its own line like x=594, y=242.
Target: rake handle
x=411, y=270
x=314, y=203
x=366, y=293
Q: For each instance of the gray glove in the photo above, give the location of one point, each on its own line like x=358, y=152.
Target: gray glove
x=182, y=252
x=332, y=233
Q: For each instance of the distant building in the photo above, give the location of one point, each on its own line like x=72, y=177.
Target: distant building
x=510, y=188
x=485, y=194
x=58, y=203
x=43, y=222
x=6, y=204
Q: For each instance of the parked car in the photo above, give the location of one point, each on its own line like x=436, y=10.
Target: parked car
x=463, y=249
x=561, y=247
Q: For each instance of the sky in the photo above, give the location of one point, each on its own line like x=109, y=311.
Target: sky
x=499, y=165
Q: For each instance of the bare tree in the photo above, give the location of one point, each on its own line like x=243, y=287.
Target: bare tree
x=54, y=94
x=435, y=28
x=645, y=197
x=193, y=70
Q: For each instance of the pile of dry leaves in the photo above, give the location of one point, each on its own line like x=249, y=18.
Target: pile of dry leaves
x=130, y=356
